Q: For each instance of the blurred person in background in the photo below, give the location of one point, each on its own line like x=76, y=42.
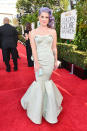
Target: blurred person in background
x=9, y=38
x=28, y=46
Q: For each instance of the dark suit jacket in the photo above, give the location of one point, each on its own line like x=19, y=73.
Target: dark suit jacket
x=9, y=36
x=0, y=40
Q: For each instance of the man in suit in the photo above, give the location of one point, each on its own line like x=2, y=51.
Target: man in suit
x=9, y=38
x=0, y=42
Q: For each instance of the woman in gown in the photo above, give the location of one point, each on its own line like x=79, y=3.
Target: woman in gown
x=28, y=46
x=43, y=97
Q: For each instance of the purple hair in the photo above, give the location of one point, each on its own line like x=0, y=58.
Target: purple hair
x=51, y=18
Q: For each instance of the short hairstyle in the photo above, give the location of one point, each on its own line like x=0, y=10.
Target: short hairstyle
x=6, y=20
x=51, y=18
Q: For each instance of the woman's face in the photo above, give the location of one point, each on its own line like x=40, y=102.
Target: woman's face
x=44, y=18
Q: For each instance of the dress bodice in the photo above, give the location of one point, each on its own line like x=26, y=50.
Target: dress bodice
x=44, y=46
x=43, y=42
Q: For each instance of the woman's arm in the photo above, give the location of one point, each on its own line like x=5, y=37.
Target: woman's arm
x=34, y=50
x=26, y=36
x=54, y=48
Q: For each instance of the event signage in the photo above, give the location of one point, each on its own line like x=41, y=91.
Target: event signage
x=68, y=24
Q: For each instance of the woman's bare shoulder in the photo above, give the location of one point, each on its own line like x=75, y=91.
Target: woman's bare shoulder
x=52, y=32
x=34, y=31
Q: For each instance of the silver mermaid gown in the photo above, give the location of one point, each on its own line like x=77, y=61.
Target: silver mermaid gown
x=43, y=97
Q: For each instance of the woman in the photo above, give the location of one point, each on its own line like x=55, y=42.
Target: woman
x=43, y=98
x=28, y=46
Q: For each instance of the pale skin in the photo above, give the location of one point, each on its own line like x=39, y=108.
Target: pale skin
x=26, y=36
x=43, y=30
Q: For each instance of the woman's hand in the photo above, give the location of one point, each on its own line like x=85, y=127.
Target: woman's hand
x=37, y=67
x=55, y=65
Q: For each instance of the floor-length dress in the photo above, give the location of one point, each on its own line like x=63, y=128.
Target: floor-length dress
x=43, y=98
x=28, y=49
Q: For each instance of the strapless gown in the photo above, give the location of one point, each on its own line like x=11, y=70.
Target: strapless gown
x=43, y=98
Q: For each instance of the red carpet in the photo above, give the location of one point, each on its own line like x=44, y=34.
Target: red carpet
x=14, y=84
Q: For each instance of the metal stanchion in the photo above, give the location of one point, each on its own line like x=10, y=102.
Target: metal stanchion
x=72, y=68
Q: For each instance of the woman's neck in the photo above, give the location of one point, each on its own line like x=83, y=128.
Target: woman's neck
x=43, y=28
